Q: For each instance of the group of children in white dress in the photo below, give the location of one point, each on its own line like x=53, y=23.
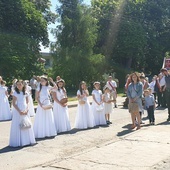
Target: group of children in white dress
x=51, y=119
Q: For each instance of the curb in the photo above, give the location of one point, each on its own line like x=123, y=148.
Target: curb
x=75, y=105
x=69, y=106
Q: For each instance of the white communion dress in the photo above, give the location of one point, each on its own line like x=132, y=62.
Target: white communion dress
x=84, y=117
x=44, y=125
x=98, y=111
x=108, y=107
x=61, y=116
x=5, y=113
x=18, y=136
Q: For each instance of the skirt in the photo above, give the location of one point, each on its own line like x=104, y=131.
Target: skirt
x=84, y=117
x=18, y=136
x=44, y=125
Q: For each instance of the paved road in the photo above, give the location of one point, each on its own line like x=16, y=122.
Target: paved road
x=112, y=147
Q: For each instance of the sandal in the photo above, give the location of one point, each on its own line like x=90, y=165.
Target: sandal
x=138, y=128
x=133, y=126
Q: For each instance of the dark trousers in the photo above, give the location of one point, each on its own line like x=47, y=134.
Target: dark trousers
x=159, y=94
x=33, y=94
x=168, y=101
x=155, y=94
x=161, y=97
x=164, y=99
x=151, y=114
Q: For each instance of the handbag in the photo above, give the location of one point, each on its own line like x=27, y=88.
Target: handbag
x=64, y=100
x=133, y=107
x=47, y=105
x=25, y=122
x=81, y=102
x=100, y=108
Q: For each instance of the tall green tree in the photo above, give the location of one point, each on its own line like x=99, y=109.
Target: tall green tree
x=156, y=22
x=44, y=7
x=76, y=37
x=22, y=28
x=134, y=33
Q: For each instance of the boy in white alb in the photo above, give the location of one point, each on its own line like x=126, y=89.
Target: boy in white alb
x=112, y=85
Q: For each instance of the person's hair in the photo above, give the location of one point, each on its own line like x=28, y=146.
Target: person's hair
x=146, y=90
x=61, y=80
x=105, y=88
x=3, y=82
x=58, y=78
x=80, y=88
x=23, y=89
x=47, y=83
x=142, y=77
x=136, y=74
x=127, y=76
x=14, y=81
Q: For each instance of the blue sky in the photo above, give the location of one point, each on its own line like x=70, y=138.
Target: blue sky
x=53, y=7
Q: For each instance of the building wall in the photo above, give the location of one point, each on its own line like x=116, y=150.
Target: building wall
x=49, y=59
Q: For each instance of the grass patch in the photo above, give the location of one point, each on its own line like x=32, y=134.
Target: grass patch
x=72, y=99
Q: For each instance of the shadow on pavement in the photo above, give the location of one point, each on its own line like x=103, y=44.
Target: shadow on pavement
x=127, y=131
x=5, y=120
x=124, y=132
x=74, y=130
x=160, y=108
x=46, y=138
x=13, y=149
x=9, y=149
x=164, y=123
x=145, y=118
x=147, y=125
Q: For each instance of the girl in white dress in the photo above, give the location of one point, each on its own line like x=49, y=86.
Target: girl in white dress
x=60, y=109
x=97, y=105
x=44, y=125
x=108, y=106
x=84, y=116
x=18, y=136
x=31, y=110
x=5, y=113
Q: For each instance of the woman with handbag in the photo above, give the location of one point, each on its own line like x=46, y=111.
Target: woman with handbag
x=97, y=105
x=134, y=93
x=84, y=117
x=60, y=109
x=44, y=125
x=22, y=133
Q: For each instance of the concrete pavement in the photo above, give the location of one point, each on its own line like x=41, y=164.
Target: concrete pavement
x=113, y=147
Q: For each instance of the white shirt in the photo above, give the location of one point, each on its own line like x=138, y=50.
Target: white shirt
x=97, y=94
x=152, y=85
x=162, y=81
x=84, y=98
x=113, y=84
x=33, y=83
